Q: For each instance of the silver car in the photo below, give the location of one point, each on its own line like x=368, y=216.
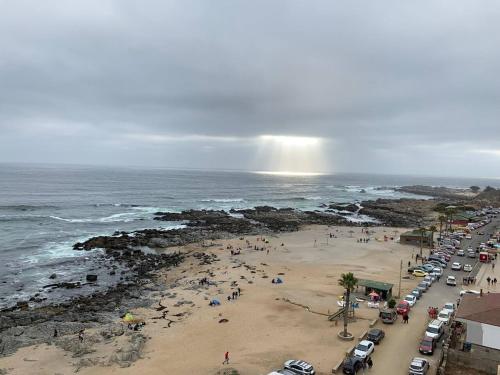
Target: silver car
x=418, y=366
x=299, y=367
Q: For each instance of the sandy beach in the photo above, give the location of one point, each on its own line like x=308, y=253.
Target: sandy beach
x=261, y=328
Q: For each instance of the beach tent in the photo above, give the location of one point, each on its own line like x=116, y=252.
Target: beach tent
x=215, y=302
x=128, y=317
x=279, y=281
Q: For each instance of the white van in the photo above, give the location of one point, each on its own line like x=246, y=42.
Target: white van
x=435, y=329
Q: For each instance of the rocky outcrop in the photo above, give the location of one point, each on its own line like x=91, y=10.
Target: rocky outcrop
x=130, y=352
x=436, y=191
x=351, y=207
x=401, y=212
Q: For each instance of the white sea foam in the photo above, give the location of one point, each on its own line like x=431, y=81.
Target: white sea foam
x=228, y=200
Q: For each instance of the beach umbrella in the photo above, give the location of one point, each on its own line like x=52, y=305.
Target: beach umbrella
x=373, y=294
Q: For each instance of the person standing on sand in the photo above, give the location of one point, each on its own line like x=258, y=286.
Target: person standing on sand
x=80, y=335
x=226, y=358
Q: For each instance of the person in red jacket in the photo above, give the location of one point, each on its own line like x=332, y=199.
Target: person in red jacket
x=226, y=358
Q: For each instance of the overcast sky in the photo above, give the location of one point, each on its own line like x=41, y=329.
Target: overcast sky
x=386, y=86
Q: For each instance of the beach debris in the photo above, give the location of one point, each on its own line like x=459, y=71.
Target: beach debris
x=224, y=320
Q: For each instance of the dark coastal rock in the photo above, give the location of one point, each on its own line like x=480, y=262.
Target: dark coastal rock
x=190, y=215
x=91, y=278
x=130, y=352
x=64, y=285
x=435, y=191
x=53, y=276
x=351, y=207
x=400, y=212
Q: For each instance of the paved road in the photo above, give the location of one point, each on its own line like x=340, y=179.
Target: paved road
x=394, y=354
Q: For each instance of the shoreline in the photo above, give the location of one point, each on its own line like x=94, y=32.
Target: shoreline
x=150, y=280
x=299, y=260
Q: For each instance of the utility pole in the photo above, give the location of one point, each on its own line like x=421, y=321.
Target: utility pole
x=400, y=270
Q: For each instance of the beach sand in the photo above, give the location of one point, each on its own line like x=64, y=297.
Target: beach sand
x=265, y=326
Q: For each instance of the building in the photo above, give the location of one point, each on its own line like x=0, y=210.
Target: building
x=381, y=288
x=481, y=316
x=463, y=218
x=415, y=237
x=475, y=337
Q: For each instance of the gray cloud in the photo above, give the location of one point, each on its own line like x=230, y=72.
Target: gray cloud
x=395, y=87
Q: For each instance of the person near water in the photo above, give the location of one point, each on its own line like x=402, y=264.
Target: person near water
x=226, y=358
x=80, y=335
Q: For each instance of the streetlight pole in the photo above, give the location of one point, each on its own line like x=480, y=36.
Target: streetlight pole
x=400, y=270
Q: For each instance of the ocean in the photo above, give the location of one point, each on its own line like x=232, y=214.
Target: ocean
x=45, y=209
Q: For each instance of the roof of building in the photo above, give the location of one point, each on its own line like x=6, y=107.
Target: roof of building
x=416, y=233
x=378, y=285
x=464, y=215
x=482, y=309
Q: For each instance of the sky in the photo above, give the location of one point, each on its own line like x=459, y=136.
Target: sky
x=304, y=86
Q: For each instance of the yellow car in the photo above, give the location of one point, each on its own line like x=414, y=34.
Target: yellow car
x=419, y=273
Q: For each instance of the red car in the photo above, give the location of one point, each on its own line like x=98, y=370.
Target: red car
x=403, y=308
x=427, y=345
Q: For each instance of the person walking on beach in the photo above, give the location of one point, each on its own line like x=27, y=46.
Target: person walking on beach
x=226, y=358
x=488, y=279
x=80, y=335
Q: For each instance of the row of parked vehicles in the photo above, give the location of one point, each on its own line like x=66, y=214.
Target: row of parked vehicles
x=433, y=333
x=362, y=352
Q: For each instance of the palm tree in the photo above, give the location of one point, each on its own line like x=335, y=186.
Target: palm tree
x=433, y=230
x=422, y=232
x=442, y=219
x=348, y=282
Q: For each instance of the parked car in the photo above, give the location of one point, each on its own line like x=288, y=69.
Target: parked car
x=467, y=267
x=388, y=316
x=456, y=266
x=299, y=367
x=427, y=267
x=460, y=253
x=438, y=271
x=413, y=268
x=438, y=264
x=435, y=329
x=468, y=236
x=364, y=349
x=375, y=335
x=417, y=293
x=449, y=306
x=435, y=258
x=419, y=273
x=403, y=307
x=419, y=366
x=444, y=316
x=411, y=299
x=429, y=279
x=282, y=372
x=422, y=286
x=469, y=291
x=427, y=345
x=451, y=281
x=352, y=365
x=471, y=254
